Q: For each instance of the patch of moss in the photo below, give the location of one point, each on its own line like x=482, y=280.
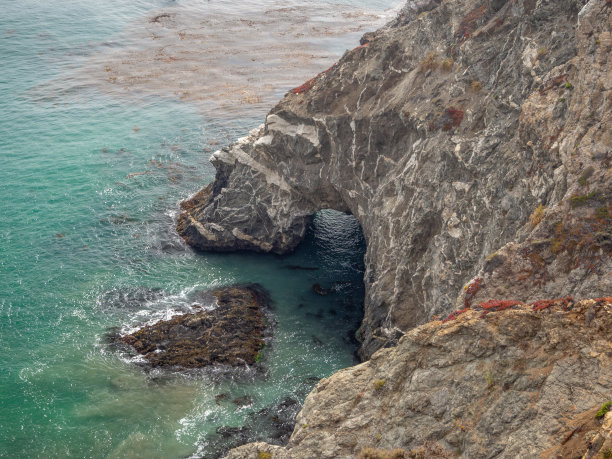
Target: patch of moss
x=264, y=455
x=379, y=384
x=583, y=180
x=601, y=213
x=537, y=215
x=429, y=63
x=581, y=200
x=447, y=64
x=603, y=410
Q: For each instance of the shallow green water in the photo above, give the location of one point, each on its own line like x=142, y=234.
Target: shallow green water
x=85, y=246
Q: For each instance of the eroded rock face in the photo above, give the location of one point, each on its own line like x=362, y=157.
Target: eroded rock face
x=231, y=334
x=513, y=383
x=442, y=134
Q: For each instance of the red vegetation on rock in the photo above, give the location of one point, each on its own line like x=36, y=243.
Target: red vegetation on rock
x=553, y=83
x=451, y=118
x=454, y=315
x=501, y=305
x=497, y=305
x=365, y=45
x=469, y=22
x=306, y=86
x=545, y=304
x=471, y=290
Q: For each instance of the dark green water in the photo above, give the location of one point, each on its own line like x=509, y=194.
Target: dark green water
x=85, y=246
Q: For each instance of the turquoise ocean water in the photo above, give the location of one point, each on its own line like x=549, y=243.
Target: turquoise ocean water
x=90, y=181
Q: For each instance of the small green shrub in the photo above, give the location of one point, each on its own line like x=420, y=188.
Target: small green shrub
x=537, y=215
x=447, y=64
x=606, y=453
x=583, y=180
x=569, y=86
x=601, y=212
x=429, y=63
x=379, y=384
x=603, y=410
x=581, y=200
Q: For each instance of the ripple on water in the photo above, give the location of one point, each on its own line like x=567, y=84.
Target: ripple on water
x=87, y=234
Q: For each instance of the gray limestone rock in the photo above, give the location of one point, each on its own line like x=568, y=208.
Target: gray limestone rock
x=443, y=134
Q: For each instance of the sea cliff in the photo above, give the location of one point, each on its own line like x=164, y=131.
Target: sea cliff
x=472, y=140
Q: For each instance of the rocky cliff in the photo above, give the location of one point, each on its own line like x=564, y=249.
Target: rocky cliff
x=524, y=382
x=471, y=139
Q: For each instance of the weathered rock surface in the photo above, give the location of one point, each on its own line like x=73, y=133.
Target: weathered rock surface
x=442, y=134
x=231, y=334
x=513, y=383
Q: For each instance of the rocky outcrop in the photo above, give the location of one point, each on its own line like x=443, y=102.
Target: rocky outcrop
x=471, y=139
x=230, y=333
x=519, y=382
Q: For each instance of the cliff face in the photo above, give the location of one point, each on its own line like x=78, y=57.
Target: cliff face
x=471, y=139
x=515, y=383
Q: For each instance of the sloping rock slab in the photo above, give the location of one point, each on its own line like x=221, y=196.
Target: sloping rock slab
x=519, y=382
x=230, y=334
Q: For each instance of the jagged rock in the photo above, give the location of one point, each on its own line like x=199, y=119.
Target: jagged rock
x=231, y=334
x=513, y=383
x=273, y=424
x=442, y=135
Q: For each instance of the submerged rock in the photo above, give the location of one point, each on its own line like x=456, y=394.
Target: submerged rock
x=272, y=424
x=231, y=334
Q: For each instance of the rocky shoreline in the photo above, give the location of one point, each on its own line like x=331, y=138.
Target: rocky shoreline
x=472, y=141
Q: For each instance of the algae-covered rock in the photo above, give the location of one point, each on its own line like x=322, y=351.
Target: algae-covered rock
x=231, y=334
